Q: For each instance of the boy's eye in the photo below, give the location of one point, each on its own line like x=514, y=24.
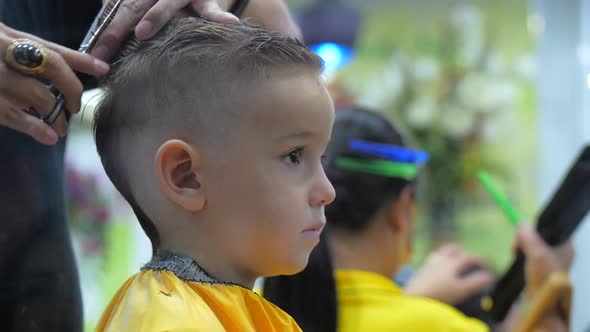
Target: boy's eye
x=295, y=156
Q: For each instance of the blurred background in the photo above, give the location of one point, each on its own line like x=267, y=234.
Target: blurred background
x=501, y=86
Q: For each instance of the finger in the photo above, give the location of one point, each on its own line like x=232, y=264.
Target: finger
x=64, y=79
x=531, y=243
x=27, y=124
x=153, y=21
x=60, y=124
x=477, y=281
x=128, y=15
x=210, y=10
x=25, y=92
x=81, y=62
x=566, y=254
x=469, y=262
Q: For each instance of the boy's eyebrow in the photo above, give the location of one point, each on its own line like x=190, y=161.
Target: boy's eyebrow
x=303, y=133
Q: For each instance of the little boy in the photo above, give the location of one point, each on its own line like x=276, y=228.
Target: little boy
x=214, y=135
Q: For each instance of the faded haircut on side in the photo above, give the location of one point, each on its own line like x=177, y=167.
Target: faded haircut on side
x=185, y=80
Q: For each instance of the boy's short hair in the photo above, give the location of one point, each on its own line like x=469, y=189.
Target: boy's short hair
x=190, y=72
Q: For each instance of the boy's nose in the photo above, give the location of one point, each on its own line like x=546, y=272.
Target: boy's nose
x=323, y=192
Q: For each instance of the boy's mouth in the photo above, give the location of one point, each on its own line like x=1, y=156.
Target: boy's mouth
x=315, y=228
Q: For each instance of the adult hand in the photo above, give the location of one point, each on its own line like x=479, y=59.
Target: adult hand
x=19, y=91
x=273, y=15
x=541, y=259
x=147, y=17
x=441, y=277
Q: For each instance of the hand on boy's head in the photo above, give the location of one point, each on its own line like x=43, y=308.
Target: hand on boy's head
x=441, y=277
x=273, y=15
x=541, y=259
x=147, y=17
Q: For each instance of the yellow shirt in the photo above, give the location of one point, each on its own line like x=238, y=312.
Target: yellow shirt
x=371, y=302
x=157, y=300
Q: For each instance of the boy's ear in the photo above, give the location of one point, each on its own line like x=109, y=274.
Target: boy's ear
x=401, y=211
x=177, y=166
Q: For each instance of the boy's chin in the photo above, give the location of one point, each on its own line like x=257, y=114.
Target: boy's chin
x=295, y=266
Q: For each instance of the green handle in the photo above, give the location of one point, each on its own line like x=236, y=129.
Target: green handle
x=500, y=198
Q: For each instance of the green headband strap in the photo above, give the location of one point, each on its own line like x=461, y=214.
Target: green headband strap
x=385, y=168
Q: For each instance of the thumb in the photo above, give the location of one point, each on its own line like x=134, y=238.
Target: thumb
x=529, y=241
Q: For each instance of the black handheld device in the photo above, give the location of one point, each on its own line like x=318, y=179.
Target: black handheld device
x=565, y=211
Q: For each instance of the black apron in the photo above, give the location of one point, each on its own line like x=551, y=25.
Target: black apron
x=39, y=286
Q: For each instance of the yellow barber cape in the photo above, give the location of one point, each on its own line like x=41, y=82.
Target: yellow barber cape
x=371, y=302
x=158, y=300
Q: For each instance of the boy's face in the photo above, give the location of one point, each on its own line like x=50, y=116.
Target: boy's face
x=267, y=190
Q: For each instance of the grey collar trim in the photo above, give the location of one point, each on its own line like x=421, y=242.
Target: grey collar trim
x=183, y=267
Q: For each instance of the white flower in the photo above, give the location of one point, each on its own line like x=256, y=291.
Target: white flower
x=469, y=54
x=422, y=112
x=470, y=89
x=393, y=80
x=372, y=96
x=384, y=89
x=457, y=122
x=468, y=23
x=495, y=64
x=485, y=94
x=499, y=94
x=498, y=124
x=466, y=17
x=426, y=71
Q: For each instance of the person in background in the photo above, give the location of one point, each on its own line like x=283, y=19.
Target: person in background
x=347, y=284
x=444, y=277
